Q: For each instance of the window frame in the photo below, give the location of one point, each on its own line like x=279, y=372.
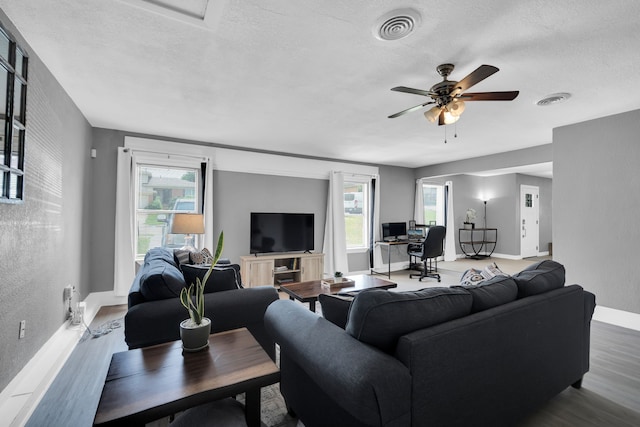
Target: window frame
x=12, y=160
x=366, y=212
x=441, y=203
x=170, y=162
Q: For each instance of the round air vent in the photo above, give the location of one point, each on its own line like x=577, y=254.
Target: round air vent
x=396, y=24
x=554, y=98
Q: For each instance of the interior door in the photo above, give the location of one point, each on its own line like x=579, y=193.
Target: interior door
x=529, y=220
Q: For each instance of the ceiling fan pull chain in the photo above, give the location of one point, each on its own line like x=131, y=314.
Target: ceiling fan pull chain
x=455, y=130
x=445, y=134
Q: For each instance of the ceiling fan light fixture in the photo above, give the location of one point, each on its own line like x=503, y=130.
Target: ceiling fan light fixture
x=432, y=114
x=456, y=107
x=449, y=118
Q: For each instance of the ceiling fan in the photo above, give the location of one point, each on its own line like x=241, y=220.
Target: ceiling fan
x=449, y=96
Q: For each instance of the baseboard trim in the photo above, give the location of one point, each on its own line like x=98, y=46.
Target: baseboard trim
x=624, y=319
x=21, y=396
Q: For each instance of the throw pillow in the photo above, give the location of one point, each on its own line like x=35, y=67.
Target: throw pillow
x=474, y=277
x=160, y=280
x=540, y=277
x=379, y=317
x=182, y=256
x=222, y=278
x=491, y=292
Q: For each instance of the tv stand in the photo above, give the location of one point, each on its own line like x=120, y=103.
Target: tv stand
x=281, y=268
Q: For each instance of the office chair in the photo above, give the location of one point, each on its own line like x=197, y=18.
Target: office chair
x=432, y=247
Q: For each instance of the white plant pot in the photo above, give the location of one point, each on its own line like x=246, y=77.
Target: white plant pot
x=195, y=337
x=337, y=280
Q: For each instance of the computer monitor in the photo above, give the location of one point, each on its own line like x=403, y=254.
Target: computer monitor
x=394, y=230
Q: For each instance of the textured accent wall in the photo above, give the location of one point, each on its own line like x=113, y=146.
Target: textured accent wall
x=43, y=240
x=596, y=205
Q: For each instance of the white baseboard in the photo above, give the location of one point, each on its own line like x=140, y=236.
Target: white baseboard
x=624, y=319
x=21, y=396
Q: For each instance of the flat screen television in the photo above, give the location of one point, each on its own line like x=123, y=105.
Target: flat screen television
x=281, y=232
x=394, y=230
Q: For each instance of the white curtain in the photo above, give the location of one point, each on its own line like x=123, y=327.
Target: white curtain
x=124, y=260
x=418, y=212
x=335, y=240
x=450, y=239
x=210, y=241
x=377, y=249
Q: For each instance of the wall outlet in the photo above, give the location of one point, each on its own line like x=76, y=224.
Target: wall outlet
x=23, y=326
x=68, y=292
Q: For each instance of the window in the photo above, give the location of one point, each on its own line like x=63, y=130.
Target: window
x=433, y=204
x=161, y=191
x=356, y=213
x=13, y=100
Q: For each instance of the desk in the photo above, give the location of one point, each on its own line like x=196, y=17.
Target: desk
x=389, y=245
x=473, y=241
x=149, y=383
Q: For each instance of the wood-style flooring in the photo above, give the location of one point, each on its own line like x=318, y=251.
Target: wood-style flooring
x=610, y=394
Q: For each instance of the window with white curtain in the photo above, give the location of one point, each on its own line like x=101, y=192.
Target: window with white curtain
x=357, y=212
x=161, y=190
x=434, y=204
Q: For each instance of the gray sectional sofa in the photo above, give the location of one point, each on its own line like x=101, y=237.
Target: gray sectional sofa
x=155, y=311
x=486, y=355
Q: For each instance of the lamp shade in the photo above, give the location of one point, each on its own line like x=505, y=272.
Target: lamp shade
x=450, y=118
x=456, y=107
x=187, y=223
x=432, y=114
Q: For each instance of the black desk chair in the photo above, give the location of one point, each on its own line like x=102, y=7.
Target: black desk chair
x=432, y=247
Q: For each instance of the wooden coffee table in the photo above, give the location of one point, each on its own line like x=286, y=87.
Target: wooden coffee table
x=146, y=384
x=309, y=291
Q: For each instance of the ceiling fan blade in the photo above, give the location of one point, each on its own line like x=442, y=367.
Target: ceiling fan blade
x=411, y=90
x=408, y=110
x=481, y=73
x=489, y=96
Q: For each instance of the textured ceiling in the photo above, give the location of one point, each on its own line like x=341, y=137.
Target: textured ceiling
x=309, y=77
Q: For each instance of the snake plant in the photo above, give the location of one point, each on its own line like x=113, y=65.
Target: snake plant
x=192, y=297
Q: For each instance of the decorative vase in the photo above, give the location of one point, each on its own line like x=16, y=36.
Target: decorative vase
x=468, y=225
x=195, y=337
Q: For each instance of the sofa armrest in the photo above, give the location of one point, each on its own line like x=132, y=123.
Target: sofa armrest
x=156, y=322
x=371, y=386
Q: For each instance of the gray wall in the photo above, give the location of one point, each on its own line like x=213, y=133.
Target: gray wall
x=503, y=207
x=596, y=205
x=45, y=241
x=235, y=195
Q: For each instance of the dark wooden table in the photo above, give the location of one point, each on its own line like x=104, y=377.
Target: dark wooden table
x=309, y=291
x=146, y=384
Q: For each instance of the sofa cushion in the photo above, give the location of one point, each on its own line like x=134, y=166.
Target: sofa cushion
x=379, y=317
x=160, y=254
x=540, y=277
x=491, y=292
x=223, y=277
x=160, y=279
x=335, y=308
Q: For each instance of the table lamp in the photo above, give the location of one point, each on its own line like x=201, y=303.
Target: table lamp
x=188, y=224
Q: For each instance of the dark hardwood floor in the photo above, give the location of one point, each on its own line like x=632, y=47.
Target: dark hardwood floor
x=610, y=394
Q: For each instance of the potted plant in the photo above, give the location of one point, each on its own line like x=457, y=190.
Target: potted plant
x=337, y=277
x=470, y=216
x=195, y=330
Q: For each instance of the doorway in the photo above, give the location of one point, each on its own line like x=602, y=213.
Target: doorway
x=529, y=220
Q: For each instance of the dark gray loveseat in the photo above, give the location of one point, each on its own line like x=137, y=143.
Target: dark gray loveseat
x=481, y=356
x=155, y=311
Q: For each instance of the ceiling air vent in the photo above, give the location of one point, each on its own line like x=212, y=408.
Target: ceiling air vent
x=555, y=98
x=396, y=24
